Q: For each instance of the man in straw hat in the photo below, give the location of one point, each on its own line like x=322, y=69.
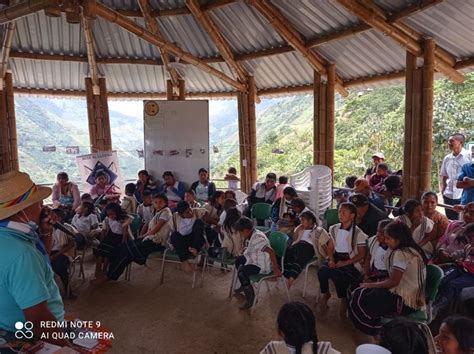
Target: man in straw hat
x=28, y=291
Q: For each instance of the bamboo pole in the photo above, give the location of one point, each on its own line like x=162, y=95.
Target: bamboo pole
x=316, y=118
x=208, y=24
x=169, y=90
x=6, y=47
x=427, y=115
x=104, y=109
x=91, y=116
x=416, y=132
x=243, y=179
x=129, y=25
x=252, y=122
x=323, y=119
x=12, y=133
x=152, y=26
x=408, y=136
x=89, y=39
x=22, y=9
x=182, y=90
x=330, y=113
x=4, y=167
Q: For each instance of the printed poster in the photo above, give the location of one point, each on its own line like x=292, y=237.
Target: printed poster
x=89, y=165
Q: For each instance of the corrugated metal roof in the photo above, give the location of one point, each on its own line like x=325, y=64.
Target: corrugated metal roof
x=369, y=53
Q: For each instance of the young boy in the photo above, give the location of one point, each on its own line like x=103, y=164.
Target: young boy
x=282, y=184
x=258, y=258
x=232, y=178
x=146, y=209
x=190, y=197
x=129, y=203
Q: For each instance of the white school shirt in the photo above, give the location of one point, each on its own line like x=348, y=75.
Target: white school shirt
x=255, y=254
x=145, y=212
x=185, y=226
x=451, y=167
x=341, y=241
x=84, y=224
x=379, y=258
x=114, y=225
x=307, y=236
x=233, y=184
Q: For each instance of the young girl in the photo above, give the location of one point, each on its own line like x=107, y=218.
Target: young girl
x=190, y=197
x=456, y=336
x=146, y=210
x=283, y=216
x=214, y=209
x=402, y=336
x=308, y=240
x=129, y=203
x=374, y=264
x=102, y=189
x=86, y=221
x=231, y=241
x=232, y=178
x=342, y=263
x=421, y=227
x=297, y=326
x=401, y=293
x=114, y=233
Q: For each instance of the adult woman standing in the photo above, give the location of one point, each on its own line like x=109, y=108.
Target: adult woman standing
x=65, y=193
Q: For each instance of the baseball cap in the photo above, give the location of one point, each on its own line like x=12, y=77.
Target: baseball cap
x=359, y=200
x=379, y=155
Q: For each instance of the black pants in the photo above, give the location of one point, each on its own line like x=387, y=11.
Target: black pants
x=60, y=266
x=296, y=258
x=245, y=271
x=342, y=277
x=451, y=214
x=195, y=240
x=133, y=251
x=109, y=245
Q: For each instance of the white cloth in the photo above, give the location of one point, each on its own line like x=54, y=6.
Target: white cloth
x=255, y=254
x=84, y=224
x=280, y=347
x=307, y=237
x=185, y=226
x=341, y=241
x=379, y=258
x=202, y=192
x=161, y=236
x=114, y=225
x=451, y=167
x=145, y=212
x=233, y=184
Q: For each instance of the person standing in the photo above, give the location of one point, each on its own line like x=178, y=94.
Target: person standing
x=450, y=169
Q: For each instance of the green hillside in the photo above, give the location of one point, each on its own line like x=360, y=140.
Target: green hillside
x=365, y=122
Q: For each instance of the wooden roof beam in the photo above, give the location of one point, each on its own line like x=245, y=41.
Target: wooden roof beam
x=152, y=26
x=374, y=17
x=294, y=38
x=221, y=43
x=5, y=50
x=130, y=25
x=26, y=8
x=89, y=38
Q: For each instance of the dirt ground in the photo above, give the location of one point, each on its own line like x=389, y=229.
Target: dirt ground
x=174, y=318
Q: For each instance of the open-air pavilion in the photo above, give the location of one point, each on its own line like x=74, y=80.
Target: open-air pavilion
x=180, y=49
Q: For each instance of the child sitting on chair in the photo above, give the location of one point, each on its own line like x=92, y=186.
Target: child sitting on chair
x=308, y=240
x=115, y=232
x=86, y=221
x=129, y=203
x=190, y=197
x=146, y=210
x=258, y=258
x=231, y=242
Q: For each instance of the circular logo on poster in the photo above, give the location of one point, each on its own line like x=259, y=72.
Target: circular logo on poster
x=152, y=108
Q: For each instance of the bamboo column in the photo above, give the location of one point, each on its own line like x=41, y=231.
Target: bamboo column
x=316, y=119
x=245, y=178
x=427, y=115
x=98, y=117
x=330, y=112
x=169, y=90
x=8, y=142
x=182, y=89
x=252, y=124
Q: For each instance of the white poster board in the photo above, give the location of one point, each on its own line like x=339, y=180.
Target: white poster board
x=90, y=164
x=176, y=138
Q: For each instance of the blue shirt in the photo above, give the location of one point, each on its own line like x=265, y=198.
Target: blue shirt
x=26, y=279
x=467, y=170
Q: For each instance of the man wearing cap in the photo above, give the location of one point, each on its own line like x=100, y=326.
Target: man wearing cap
x=450, y=170
x=28, y=291
x=368, y=216
x=361, y=185
x=377, y=158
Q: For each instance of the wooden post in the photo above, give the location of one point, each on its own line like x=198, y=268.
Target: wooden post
x=182, y=89
x=408, y=137
x=252, y=123
x=316, y=118
x=330, y=112
x=323, y=130
x=245, y=178
x=169, y=90
x=8, y=142
x=98, y=116
x=426, y=137
x=415, y=128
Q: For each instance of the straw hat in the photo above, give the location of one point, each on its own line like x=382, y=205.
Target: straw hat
x=17, y=192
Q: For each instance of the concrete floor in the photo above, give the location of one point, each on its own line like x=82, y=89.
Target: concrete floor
x=174, y=318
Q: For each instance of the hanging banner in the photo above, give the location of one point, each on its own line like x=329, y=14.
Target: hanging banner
x=72, y=150
x=90, y=165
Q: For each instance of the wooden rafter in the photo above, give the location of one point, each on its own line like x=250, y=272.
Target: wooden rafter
x=5, y=50
x=129, y=25
x=294, y=38
x=152, y=26
x=374, y=17
x=22, y=9
x=89, y=38
x=221, y=43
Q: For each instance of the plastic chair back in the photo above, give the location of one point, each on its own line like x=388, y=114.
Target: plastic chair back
x=279, y=242
x=261, y=211
x=434, y=274
x=331, y=217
